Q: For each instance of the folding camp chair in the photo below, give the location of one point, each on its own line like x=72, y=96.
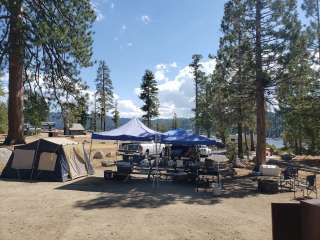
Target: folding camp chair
x=288, y=178
x=309, y=185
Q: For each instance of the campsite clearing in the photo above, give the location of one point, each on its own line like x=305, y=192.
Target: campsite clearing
x=92, y=208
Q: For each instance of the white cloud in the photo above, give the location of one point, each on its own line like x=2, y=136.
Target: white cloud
x=124, y=27
x=177, y=94
x=174, y=65
x=208, y=66
x=96, y=6
x=112, y=5
x=115, y=38
x=129, y=44
x=162, y=69
x=128, y=109
x=161, y=66
x=145, y=19
x=160, y=76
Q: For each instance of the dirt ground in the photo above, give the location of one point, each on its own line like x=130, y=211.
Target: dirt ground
x=92, y=208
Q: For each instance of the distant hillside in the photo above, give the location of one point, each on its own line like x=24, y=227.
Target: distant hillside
x=159, y=124
x=274, y=123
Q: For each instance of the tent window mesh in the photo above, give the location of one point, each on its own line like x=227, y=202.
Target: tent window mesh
x=22, y=159
x=47, y=161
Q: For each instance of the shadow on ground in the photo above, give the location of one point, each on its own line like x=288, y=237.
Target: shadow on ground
x=140, y=193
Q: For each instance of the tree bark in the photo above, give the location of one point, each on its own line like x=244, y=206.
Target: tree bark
x=318, y=29
x=260, y=100
x=16, y=59
x=246, y=140
x=208, y=132
x=65, y=117
x=252, y=148
x=240, y=148
x=197, y=130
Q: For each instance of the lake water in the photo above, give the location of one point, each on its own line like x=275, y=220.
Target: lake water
x=278, y=142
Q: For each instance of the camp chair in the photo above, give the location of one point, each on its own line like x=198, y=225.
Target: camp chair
x=203, y=182
x=309, y=185
x=288, y=178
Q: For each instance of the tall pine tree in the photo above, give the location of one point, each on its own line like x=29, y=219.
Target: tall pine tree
x=149, y=95
x=116, y=115
x=50, y=39
x=198, y=79
x=104, y=90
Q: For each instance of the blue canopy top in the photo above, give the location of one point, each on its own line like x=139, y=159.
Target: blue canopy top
x=134, y=130
x=182, y=137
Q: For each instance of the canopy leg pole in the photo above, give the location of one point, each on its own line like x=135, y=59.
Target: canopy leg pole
x=90, y=151
x=117, y=150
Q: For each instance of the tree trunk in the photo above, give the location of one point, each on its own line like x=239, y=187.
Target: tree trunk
x=318, y=28
x=300, y=145
x=16, y=59
x=223, y=137
x=197, y=130
x=240, y=148
x=260, y=101
x=296, y=146
x=252, y=148
x=246, y=140
x=65, y=123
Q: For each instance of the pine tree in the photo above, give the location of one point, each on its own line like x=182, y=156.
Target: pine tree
x=312, y=12
x=264, y=22
x=116, y=115
x=205, y=116
x=149, y=95
x=175, y=121
x=36, y=109
x=297, y=85
x=237, y=53
x=51, y=39
x=220, y=99
x=198, y=78
x=81, y=111
x=104, y=90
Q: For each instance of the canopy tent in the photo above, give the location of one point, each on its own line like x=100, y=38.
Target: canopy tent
x=182, y=137
x=134, y=130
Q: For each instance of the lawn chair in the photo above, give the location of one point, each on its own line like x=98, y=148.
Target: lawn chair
x=309, y=185
x=288, y=178
x=203, y=182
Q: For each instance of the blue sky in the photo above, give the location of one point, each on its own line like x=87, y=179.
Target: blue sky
x=135, y=35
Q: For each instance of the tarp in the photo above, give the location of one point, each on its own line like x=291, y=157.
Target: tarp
x=182, y=137
x=134, y=130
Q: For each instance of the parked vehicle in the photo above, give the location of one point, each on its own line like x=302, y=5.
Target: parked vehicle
x=30, y=130
x=204, y=150
x=178, y=151
x=144, y=149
